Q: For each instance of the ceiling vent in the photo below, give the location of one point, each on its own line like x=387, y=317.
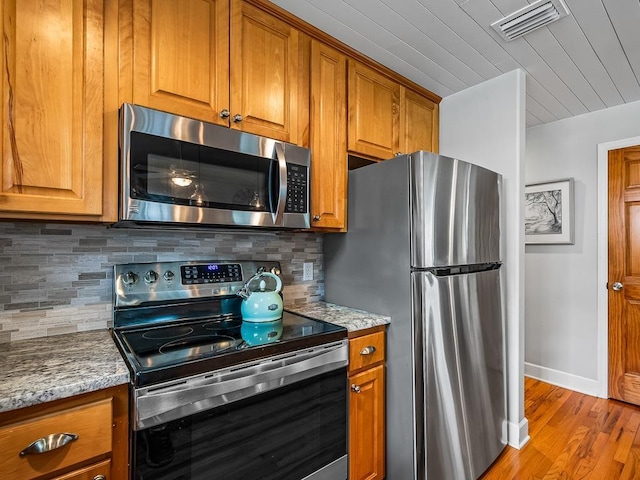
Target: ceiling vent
x=529, y=18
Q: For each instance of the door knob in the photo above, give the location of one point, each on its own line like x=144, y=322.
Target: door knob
x=617, y=286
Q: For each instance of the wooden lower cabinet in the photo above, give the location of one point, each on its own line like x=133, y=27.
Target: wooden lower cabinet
x=84, y=437
x=99, y=471
x=367, y=407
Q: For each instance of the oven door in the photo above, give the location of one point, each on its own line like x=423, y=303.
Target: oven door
x=279, y=420
x=179, y=170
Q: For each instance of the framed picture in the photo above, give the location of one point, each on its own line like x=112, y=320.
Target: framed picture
x=548, y=213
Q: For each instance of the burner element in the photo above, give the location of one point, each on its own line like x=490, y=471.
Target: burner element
x=199, y=345
x=222, y=324
x=165, y=334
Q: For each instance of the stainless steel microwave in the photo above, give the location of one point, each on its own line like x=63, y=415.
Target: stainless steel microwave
x=177, y=171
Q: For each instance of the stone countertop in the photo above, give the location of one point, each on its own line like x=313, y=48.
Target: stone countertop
x=354, y=320
x=49, y=368
x=44, y=369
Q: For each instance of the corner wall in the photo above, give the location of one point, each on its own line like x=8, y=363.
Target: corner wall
x=563, y=345
x=485, y=125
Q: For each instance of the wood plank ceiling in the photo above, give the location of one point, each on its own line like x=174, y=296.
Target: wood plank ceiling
x=583, y=62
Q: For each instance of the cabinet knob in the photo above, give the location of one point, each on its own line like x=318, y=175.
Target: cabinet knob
x=225, y=113
x=100, y=477
x=368, y=350
x=237, y=118
x=617, y=286
x=355, y=388
x=398, y=154
x=316, y=218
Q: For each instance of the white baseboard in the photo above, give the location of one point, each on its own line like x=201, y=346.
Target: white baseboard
x=584, y=385
x=519, y=433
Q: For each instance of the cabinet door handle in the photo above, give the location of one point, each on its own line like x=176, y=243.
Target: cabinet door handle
x=237, y=118
x=48, y=443
x=100, y=477
x=355, y=388
x=369, y=350
x=225, y=113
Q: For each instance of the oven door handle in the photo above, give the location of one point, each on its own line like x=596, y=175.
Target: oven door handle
x=156, y=405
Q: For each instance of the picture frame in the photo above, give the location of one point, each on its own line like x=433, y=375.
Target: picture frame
x=548, y=213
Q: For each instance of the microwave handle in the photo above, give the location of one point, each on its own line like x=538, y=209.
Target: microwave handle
x=282, y=189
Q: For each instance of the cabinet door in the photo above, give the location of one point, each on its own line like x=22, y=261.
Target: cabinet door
x=328, y=136
x=366, y=425
x=264, y=73
x=181, y=57
x=52, y=90
x=99, y=471
x=418, y=123
x=373, y=113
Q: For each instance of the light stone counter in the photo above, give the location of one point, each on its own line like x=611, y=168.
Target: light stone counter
x=49, y=368
x=354, y=320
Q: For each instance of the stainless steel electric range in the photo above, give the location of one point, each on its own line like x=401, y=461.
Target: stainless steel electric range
x=213, y=397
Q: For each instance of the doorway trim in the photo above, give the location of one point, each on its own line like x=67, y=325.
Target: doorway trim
x=603, y=257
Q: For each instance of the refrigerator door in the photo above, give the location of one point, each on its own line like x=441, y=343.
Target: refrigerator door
x=460, y=406
x=455, y=212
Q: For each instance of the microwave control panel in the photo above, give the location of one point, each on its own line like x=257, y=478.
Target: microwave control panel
x=297, y=189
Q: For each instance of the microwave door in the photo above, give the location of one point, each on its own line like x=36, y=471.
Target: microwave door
x=280, y=186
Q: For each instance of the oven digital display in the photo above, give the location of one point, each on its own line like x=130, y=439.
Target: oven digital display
x=211, y=273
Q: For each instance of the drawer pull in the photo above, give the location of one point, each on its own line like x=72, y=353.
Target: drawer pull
x=48, y=443
x=100, y=477
x=370, y=350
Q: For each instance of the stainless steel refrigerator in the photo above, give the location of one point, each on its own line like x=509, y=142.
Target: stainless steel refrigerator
x=423, y=246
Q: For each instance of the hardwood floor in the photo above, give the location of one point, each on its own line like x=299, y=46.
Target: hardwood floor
x=573, y=436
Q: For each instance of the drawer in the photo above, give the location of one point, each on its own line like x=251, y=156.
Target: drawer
x=91, y=472
x=366, y=351
x=92, y=423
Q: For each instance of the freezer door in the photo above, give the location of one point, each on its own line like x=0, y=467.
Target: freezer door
x=455, y=212
x=460, y=405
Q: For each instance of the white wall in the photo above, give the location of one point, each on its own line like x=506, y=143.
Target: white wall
x=562, y=289
x=485, y=125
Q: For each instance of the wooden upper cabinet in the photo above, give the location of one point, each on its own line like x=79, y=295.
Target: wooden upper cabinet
x=418, y=123
x=221, y=61
x=374, y=112
x=264, y=73
x=181, y=57
x=52, y=109
x=328, y=137
x=387, y=119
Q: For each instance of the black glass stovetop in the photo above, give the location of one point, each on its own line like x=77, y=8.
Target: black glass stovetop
x=158, y=353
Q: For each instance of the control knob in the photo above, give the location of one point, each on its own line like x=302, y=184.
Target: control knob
x=129, y=278
x=168, y=275
x=150, y=277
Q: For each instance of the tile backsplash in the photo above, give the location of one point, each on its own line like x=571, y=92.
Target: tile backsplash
x=57, y=278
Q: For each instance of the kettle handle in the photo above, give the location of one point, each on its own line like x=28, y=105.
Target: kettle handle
x=245, y=293
x=276, y=278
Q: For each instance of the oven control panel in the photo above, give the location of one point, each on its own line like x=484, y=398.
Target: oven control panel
x=139, y=283
x=211, y=273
